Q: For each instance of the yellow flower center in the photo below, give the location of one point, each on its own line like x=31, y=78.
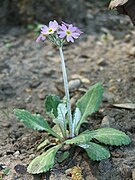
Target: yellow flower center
x=68, y=32
x=50, y=30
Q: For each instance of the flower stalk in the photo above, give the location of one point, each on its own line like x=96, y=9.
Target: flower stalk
x=66, y=92
x=58, y=35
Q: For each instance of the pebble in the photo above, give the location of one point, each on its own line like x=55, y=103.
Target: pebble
x=16, y=154
x=112, y=88
x=20, y=169
x=82, y=78
x=133, y=174
x=132, y=51
x=128, y=38
x=105, y=122
x=28, y=90
x=74, y=99
x=101, y=62
x=74, y=84
x=32, y=156
x=111, y=81
x=42, y=95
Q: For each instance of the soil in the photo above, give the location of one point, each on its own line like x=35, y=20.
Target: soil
x=29, y=71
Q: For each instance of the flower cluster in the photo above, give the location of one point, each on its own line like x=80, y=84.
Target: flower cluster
x=59, y=33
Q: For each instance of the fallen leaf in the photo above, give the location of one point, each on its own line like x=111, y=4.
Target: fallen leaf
x=115, y=3
x=126, y=7
x=125, y=106
x=76, y=173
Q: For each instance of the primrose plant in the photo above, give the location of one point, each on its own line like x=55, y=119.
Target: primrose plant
x=66, y=129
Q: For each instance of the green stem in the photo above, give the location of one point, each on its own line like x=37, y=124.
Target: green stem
x=66, y=92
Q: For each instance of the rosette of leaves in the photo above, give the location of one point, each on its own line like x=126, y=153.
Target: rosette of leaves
x=93, y=142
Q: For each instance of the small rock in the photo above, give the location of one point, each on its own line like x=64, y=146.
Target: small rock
x=105, y=122
x=128, y=38
x=132, y=51
x=82, y=78
x=74, y=99
x=32, y=156
x=74, y=84
x=20, y=169
x=112, y=88
x=16, y=154
x=84, y=90
x=85, y=80
x=133, y=174
x=101, y=62
x=41, y=95
x=111, y=81
x=28, y=90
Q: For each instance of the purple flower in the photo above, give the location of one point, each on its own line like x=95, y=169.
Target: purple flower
x=42, y=37
x=69, y=31
x=76, y=28
x=45, y=30
x=53, y=26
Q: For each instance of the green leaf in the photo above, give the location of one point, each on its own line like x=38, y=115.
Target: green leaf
x=34, y=121
x=77, y=117
x=85, y=137
x=63, y=156
x=89, y=103
x=43, y=144
x=95, y=151
x=6, y=171
x=111, y=136
x=51, y=104
x=60, y=120
x=57, y=129
x=43, y=162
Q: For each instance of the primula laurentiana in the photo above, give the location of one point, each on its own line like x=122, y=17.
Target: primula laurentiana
x=59, y=33
x=69, y=32
x=76, y=28
x=53, y=26
x=45, y=30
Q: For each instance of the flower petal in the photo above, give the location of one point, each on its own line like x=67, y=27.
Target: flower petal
x=40, y=37
x=78, y=30
x=44, y=30
x=75, y=35
x=66, y=24
x=62, y=34
x=43, y=26
x=71, y=28
x=43, y=38
x=63, y=27
x=54, y=25
x=69, y=38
